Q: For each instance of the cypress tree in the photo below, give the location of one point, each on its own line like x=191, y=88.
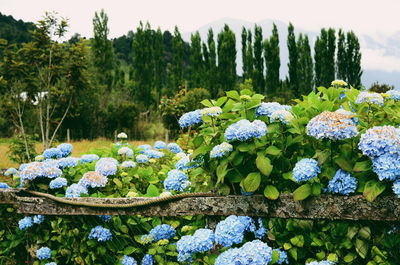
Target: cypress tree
x=176, y=67
x=249, y=56
x=306, y=70
x=244, y=53
x=272, y=62
x=226, y=59
x=212, y=66
x=158, y=59
x=324, y=57
x=258, y=62
x=293, y=61
x=341, y=56
x=196, y=61
x=353, y=55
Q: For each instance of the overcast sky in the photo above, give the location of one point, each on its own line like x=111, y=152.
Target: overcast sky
x=363, y=16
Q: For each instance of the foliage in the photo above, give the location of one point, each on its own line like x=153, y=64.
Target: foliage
x=380, y=88
x=17, y=152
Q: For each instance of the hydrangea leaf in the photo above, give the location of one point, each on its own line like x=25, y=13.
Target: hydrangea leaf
x=263, y=164
x=372, y=190
x=302, y=192
x=251, y=182
x=273, y=150
x=271, y=192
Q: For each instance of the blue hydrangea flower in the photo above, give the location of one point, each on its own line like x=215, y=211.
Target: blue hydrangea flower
x=306, y=169
x=221, y=150
x=65, y=148
x=51, y=263
x=100, y=234
x=68, y=162
x=105, y=218
x=32, y=171
x=43, y=253
x=323, y=262
x=201, y=241
x=106, y=166
x=52, y=172
x=4, y=185
x=128, y=260
x=93, y=179
x=231, y=230
x=255, y=252
x=11, y=171
x=380, y=140
x=342, y=183
x=162, y=231
x=212, y=111
x=125, y=151
x=128, y=164
x=122, y=135
x=52, y=153
x=148, y=260
x=75, y=191
x=160, y=145
x=190, y=118
x=58, y=183
x=142, y=159
x=244, y=130
x=396, y=188
x=370, y=98
x=144, y=147
x=38, y=219
x=176, y=181
x=25, y=223
x=261, y=231
x=332, y=126
x=174, y=148
x=185, y=163
x=283, y=116
x=394, y=94
x=387, y=166
x=154, y=154
x=283, y=257
x=89, y=158
x=266, y=109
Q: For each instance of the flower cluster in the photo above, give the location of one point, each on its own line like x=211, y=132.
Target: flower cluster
x=89, y=158
x=107, y=166
x=128, y=261
x=160, y=145
x=190, y=118
x=4, y=185
x=154, y=154
x=396, y=188
x=201, y=241
x=125, y=151
x=11, y=171
x=342, y=183
x=306, y=169
x=142, y=159
x=68, y=162
x=282, y=115
x=212, y=112
x=338, y=83
x=128, y=164
x=105, y=218
x=52, y=153
x=93, y=179
x=387, y=166
x=231, y=230
x=58, y=183
x=148, y=260
x=100, y=234
x=38, y=219
x=221, y=150
x=122, y=135
x=25, y=223
x=174, y=148
x=144, y=147
x=43, y=253
x=160, y=232
x=176, y=181
x=266, y=109
x=333, y=126
x=283, y=257
x=75, y=191
x=255, y=252
x=369, y=98
x=380, y=140
x=244, y=130
x=323, y=262
x=394, y=94
x=66, y=149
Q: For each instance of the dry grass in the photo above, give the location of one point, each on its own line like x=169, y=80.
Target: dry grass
x=80, y=147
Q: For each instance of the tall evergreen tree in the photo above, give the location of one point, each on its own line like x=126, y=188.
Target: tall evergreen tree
x=212, y=66
x=249, y=55
x=272, y=62
x=258, y=62
x=324, y=57
x=244, y=53
x=143, y=64
x=341, y=56
x=306, y=70
x=226, y=59
x=158, y=59
x=196, y=61
x=102, y=49
x=293, y=61
x=177, y=65
x=353, y=55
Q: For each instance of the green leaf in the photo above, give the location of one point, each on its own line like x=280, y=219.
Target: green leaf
x=361, y=248
x=316, y=189
x=118, y=183
x=350, y=257
x=275, y=257
x=263, y=164
x=129, y=250
x=297, y=241
x=251, y=182
x=152, y=191
x=343, y=163
x=273, y=150
x=362, y=166
x=372, y=189
x=207, y=103
x=271, y=192
x=302, y=192
x=365, y=233
x=233, y=94
x=222, y=171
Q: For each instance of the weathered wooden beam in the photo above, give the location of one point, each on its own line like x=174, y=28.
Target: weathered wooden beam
x=384, y=208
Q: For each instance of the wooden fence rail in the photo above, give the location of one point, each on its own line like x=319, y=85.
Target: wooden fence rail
x=384, y=208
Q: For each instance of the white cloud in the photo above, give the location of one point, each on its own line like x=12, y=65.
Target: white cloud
x=375, y=59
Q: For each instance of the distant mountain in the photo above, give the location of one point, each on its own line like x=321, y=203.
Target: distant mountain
x=381, y=53
x=15, y=31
